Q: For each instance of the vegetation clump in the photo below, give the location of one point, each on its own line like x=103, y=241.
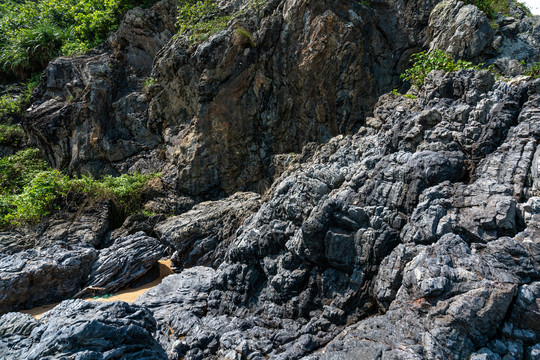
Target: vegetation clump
x=33, y=32
x=245, y=34
x=424, y=63
x=534, y=71
x=12, y=104
x=199, y=19
x=30, y=189
x=493, y=7
x=11, y=134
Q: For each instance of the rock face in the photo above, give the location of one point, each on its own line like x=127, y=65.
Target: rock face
x=218, y=113
x=82, y=330
x=416, y=235
x=33, y=276
x=459, y=30
x=69, y=256
x=124, y=261
x=90, y=112
x=198, y=235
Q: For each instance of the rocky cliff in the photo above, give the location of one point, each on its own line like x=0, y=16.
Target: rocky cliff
x=370, y=225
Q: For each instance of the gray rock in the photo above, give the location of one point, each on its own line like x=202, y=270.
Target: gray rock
x=452, y=300
x=94, y=101
x=36, y=277
x=199, y=236
x=87, y=228
x=462, y=31
x=84, y=330
x=126, y=260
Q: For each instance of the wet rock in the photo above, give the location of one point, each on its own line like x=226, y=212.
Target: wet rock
x=126, y=260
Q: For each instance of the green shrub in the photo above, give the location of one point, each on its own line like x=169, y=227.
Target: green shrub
x=30, y=189
x=493, y=7
x=16, y=171
x=199, y=19
x=424, y=63
x=258, y=6
x=13, y=105
x=11, y=134
x=33, y=32
x=150, y=81
x=534, y=71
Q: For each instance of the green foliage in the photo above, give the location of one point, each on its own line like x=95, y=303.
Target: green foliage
x=18, y=170
x=12, y=105
x=199, y=19
x=33, y=32
x=29, y=189
x=424, y=63
x=493, y=7
x=150, y=81
x=258, y=6
x=11, y=134
x=534, y=71
x=397, y=93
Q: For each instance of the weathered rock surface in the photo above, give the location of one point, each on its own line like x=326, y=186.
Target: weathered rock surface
x=78, y=329
x=90, y=111
x=88, y=228
x=68, y=255
x=200, y=236
x=459, y=30
x=125, y=260
x=415, y=236
x=34, y=277
x=453, y=300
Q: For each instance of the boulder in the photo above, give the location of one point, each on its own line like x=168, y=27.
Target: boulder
x=127, y=259
x=199, y=236
x=82, y=330
x=462, y=31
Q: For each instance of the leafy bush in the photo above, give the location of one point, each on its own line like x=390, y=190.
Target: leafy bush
x=33, y=32
x=29, y=189
x=18, y=170
x=13, y=105
x=199, y=19
x=11, y=134
x=534, y=71
x=493, y=7
x=424, y=63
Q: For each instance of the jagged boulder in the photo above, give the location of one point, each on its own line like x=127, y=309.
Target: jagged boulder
x=459, y=30
x=452, y=300
x=127, y=259
x=82, y=330
x=36, y=277
x=201, y=235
